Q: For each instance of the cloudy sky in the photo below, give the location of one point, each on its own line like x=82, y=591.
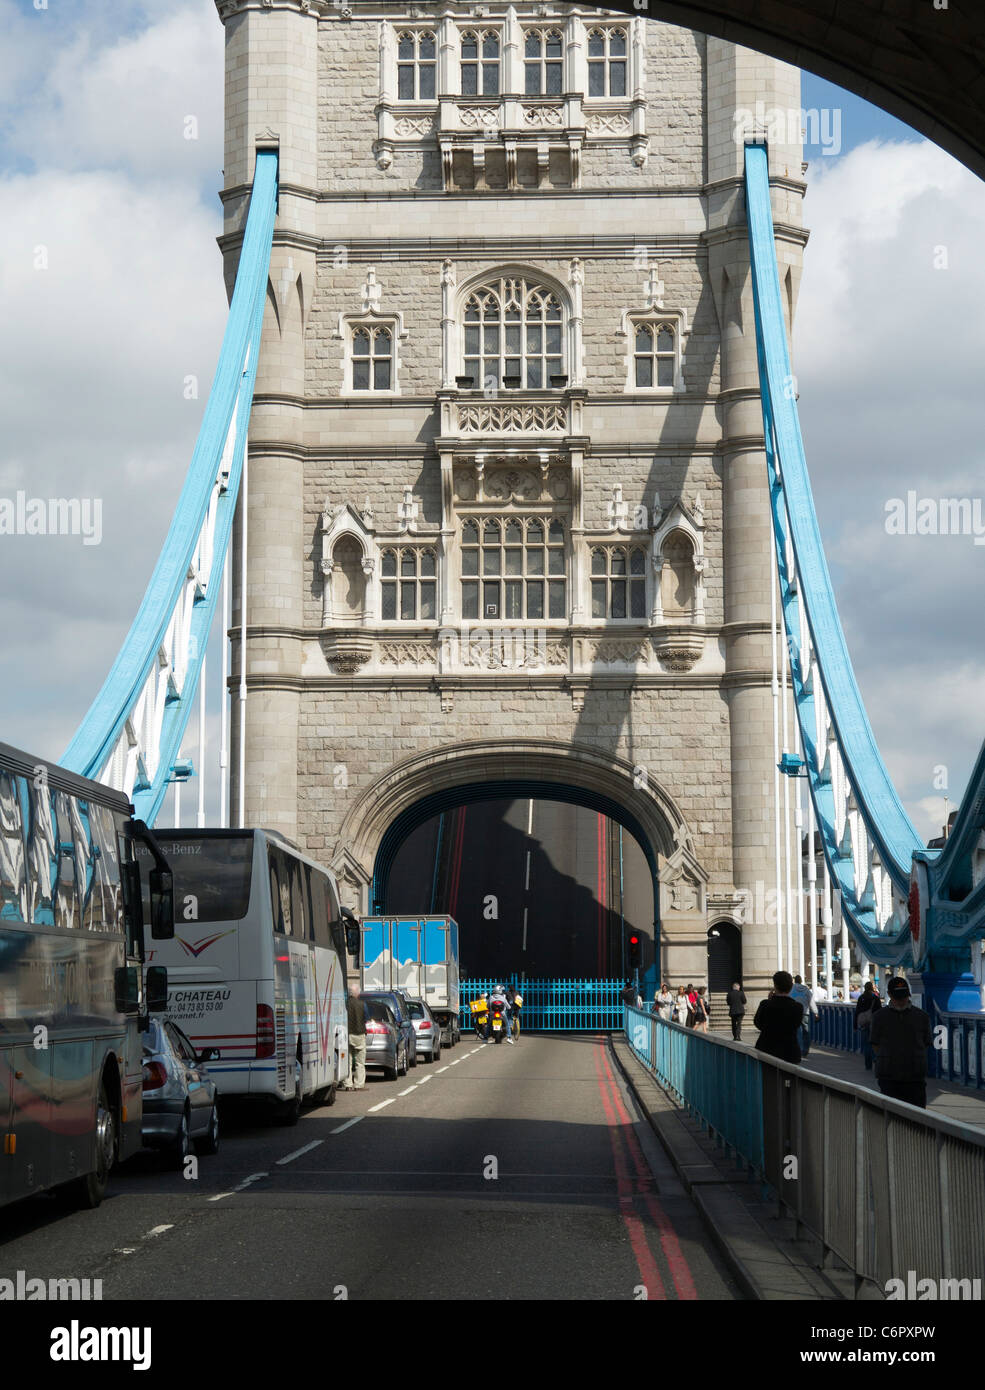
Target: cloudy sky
x=110, y=283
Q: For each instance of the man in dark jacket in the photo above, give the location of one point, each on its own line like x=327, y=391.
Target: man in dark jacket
x=736, y=1001
x=357, y=1041
x=900, y=1036
x=778, y=1018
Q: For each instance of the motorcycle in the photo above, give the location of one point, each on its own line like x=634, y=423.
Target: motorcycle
x=480, y=1016
x=497, y=1020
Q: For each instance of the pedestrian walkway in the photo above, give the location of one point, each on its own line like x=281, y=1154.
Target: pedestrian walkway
x=943, y=1098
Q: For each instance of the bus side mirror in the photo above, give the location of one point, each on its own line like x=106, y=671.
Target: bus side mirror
x=157, y=989
x=126, y=989
x=161, y=905
x=352, y=936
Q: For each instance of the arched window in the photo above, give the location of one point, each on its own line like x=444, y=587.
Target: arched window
x=480, y=63
x=408, y=577
x=654, y=354
x=618, y=582
x=372, y=358
x=513, y=568
x=513, y=335
x=348, y=579
x=416, y=65
x=543, y=66
x=677, y=577
x=607, y=62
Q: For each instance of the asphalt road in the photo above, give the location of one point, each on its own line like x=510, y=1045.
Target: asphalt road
x=503, y=1172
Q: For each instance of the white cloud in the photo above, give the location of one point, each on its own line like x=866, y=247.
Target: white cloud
x=889, y=367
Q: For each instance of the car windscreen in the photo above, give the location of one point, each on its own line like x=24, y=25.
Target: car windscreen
x=211, y=876
x=416, y=1009
x=378, y=1011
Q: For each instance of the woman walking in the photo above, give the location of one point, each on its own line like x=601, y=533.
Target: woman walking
x=866, y=1007
x=681, y=1006
x=664, y=1002
x=702, y=1010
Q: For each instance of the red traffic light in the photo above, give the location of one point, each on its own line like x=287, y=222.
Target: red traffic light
x=634, y=941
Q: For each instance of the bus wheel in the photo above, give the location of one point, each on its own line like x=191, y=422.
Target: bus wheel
x=289, y=1111
x=90, y=1190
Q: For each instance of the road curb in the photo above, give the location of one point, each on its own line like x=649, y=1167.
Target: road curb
x=761, y=1266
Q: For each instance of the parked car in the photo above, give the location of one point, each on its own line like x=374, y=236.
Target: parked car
x=386, y=1045
x=427, y=1028
x=179, y=1096
x=397, y=1001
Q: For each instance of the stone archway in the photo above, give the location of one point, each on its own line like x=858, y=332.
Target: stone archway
x=412, y=790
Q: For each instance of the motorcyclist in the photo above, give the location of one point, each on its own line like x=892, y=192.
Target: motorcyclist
x=499, y=994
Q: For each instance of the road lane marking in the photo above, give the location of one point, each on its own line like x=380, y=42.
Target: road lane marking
x=298, y=1152
x=456, y=1062
x=441, y=1069
x=348, y=1124
x=158, y=1231
x=217, y=1198
x=422, y=1081
x=405, y=1093
x=382, y=1104
x=254, y=1177
x=130, y=1249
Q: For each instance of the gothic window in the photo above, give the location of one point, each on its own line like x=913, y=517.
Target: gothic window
x=618, y=582
x=416, y=65
x=513, y=568
x=543, y=66
x=372, y=357
x=408, y=584
x=677, y=577
x=513, y=335
x=480, y=63
x=607, y=62
x=654, y=354
x=348, y=580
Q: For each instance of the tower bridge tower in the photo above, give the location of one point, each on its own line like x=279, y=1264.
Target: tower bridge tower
x=507, y=513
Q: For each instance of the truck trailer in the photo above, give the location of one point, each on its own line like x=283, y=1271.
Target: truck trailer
x=418, y=954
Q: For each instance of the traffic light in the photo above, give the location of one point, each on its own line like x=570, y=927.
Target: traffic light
x=633, y=955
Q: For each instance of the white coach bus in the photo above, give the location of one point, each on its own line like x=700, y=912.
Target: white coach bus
x=257, y=966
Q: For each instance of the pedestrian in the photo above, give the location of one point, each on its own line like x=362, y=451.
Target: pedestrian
x=703, y=1010
x=865, y=1012
x=663, y=1002
x=357, y=1041
x=692, y=1006
x=736, y=1001
x=899, y=1036
x=819, y=991
x=779, y=1020
x=681, y=1006
x=630, y=996
x=803, y=994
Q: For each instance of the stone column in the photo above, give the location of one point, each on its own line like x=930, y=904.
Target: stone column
x=271, y=91
x=736, y=80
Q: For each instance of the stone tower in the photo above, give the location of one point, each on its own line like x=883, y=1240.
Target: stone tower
x=507, y=512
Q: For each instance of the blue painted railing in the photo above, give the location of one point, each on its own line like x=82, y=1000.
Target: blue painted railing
x=558, y=1006
x=834, y=1026
x=958, y=1055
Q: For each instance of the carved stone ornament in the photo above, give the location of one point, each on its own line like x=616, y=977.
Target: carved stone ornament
x=520, y=484
x=411, y=126
x=465, y=484
x=403, y=653
x=608, y=123
x=559, y=484
x=345, y=652
x=479, y=117
x=543, y=117
x=632, y=652
x=679, y=651
x=494, y=418
x=684, y=894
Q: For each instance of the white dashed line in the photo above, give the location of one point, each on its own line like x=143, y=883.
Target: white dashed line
x=423, y=1081
x=158, y=1231
x=348, y=1124
x=381, y=1104
x=298, y=1152
x=132, y=1249
x=254, y=1177
x=405, y=1093
x=441, y=1069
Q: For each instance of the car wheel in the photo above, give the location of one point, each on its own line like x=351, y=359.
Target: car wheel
x=412, y=1061
x=209, y=1144
x=183, y=1142
x=406, y=1066
x=391, y=1073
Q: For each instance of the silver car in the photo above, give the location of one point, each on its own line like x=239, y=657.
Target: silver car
x=427, y=1028
x=179, y=1096
x=386, y=1045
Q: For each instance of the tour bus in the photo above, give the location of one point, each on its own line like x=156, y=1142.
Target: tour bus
x=257, y=965
x=73, y=997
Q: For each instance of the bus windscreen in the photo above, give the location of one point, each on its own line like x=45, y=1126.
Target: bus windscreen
x=211, y=876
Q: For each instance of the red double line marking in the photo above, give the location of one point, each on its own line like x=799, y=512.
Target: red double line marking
x=621, y=1129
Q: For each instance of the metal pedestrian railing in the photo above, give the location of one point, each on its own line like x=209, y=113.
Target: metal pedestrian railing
x=558, y=1006
x=892, y=1191
x=834, y=1026
x=957, y=1056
